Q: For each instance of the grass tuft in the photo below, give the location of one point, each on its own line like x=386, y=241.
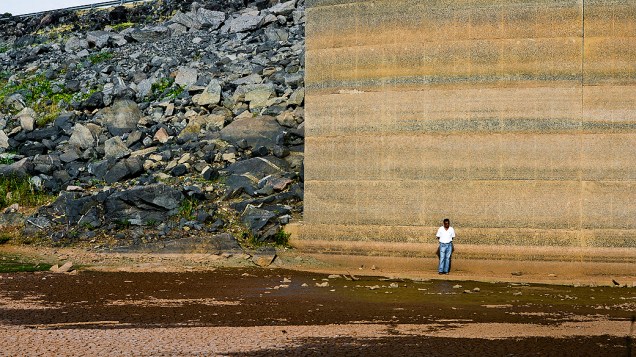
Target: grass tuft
x=122, y=26
x=100, y=57
x=15, y=189
x=282, y=238
x=165, y=89
x=188, y=208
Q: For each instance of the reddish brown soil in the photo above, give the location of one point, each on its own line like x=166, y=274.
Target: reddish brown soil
x=505, y=318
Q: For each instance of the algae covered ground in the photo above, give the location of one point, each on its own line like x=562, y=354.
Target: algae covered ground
x=10, y=263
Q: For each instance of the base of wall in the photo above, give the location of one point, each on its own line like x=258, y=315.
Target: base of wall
x=589, y=265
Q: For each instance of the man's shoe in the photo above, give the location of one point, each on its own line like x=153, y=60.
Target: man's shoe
x=440, y=273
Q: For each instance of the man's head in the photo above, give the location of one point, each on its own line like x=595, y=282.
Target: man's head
x=446, y=223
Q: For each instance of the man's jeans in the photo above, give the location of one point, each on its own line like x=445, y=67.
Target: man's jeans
x=445, y=251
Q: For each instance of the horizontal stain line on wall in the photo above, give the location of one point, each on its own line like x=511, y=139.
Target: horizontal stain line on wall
x=318, y=84
x=506, y=180
x=454, y=4
x=475, y=126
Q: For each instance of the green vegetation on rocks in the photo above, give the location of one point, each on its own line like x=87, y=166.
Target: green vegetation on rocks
x=44, y=96
x=15, y=189
x=100, y=57
x=122, y=26
x=165, y=88
x=140, y=143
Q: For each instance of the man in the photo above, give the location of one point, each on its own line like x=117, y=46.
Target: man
x=445, y=234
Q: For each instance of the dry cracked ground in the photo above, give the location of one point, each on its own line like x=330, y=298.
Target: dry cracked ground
x=252, y=311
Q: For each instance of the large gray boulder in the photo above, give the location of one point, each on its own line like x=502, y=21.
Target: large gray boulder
x=248, y=21
x=19, y=168
x=75, y=44
x=210, y=19
x=26, y=117
x=258, y=131
x=144, y=204
x=283, y=8
x=202, y=18
x=122, y=117
x=138, y=205
x=255, y=94
x=82, y=137
x=46, y=164
x=115, y=148
x=98, y=39
x=211, y=94
x=78, y=209
x=144, y=88
x=186, y=76
x=258, y=167
x=186, y=20
x=123, y=169
x=150, y=34
x=261, y=223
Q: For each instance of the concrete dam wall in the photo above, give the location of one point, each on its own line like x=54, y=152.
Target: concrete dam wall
x=516, y=119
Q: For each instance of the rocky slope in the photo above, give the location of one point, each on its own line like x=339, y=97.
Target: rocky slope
x=162, y=121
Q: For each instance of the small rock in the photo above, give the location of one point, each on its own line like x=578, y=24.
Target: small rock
x=476, y=290
x=161, y=136
x=122, y=117
x=516, y=273
x=115, y=148
x=4, y=140
x=230, y=157
x=67, y=267
x=12, y=209
x=27, y=122
x=334, y=276
x=186, y=76
x=210, y=174
x=72, y=188
x=517, y=293
x=264, y=257
x=457, y=286
x=179, y=170
x=323, y=284
x=82, y=137
x=211, y=94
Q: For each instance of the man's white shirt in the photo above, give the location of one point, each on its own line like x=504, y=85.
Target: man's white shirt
x=445, y=236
